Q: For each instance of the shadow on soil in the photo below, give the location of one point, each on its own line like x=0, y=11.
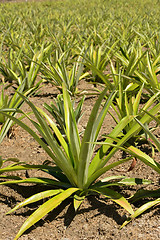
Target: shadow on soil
x=95, y=203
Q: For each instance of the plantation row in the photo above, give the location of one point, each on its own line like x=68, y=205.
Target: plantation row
x=111, y=44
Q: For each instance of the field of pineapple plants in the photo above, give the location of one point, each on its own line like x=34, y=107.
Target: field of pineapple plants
x=79, y=119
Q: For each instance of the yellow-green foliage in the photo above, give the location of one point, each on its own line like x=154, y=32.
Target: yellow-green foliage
x=73, y=22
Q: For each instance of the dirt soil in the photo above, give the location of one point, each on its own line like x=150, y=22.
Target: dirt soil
x=98, y=218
